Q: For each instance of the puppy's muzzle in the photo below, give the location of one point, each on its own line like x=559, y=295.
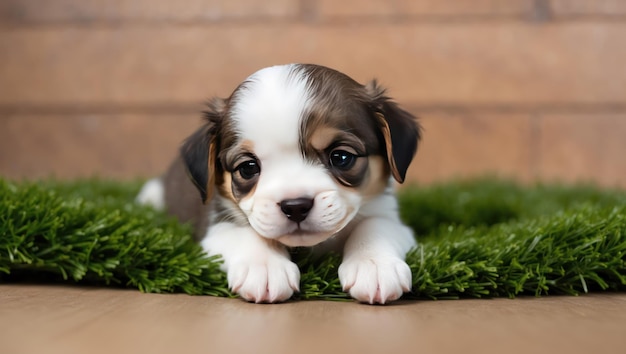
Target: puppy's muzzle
x=296, y=209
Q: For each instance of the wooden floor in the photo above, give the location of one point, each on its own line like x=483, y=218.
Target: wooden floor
x=52, y=319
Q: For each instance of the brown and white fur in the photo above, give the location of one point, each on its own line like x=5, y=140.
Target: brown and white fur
x=298, y=155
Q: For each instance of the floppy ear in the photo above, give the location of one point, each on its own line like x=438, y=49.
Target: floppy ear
x=199, y=151
x=399, y=129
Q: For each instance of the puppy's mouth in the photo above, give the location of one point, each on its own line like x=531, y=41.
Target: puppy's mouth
x=304, y=238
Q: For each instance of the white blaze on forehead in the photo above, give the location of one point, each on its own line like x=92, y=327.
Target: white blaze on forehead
x=269, y=109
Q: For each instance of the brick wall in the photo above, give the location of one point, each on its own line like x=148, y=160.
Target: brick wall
x=531, y=89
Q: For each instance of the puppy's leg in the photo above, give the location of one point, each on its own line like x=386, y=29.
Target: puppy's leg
x=258, y=269
x=373, y=268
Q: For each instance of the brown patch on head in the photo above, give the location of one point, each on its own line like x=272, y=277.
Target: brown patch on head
x=338, y=127
x=321, y=137
x=364, y=111
x=339, y=103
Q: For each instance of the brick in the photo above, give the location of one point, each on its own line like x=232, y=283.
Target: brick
x=586, y=7
x=501, y=63
x=111, y=146
x=583, y=147
x=380, y=8
x=463, y=145
x=81, y=11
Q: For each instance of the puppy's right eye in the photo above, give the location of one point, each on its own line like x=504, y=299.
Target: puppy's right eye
x=248, y=169
x=342, y=160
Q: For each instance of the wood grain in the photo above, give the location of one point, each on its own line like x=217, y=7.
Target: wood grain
x=68, y=320
x=88, y=11
x=502, y=63
x=442, y=8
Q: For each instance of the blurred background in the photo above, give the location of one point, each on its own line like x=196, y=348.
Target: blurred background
x=526, y=89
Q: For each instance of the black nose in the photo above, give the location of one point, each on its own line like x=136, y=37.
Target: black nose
x=296, y=209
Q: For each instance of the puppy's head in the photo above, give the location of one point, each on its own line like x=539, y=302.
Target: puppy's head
x=297, y=149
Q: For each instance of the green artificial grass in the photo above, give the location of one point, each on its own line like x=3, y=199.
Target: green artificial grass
x=481, y=238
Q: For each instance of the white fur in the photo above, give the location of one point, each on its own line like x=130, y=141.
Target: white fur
x=152, y=193
x=373, y=268
x=257, y=270
x=269, y=109
x=268, y=113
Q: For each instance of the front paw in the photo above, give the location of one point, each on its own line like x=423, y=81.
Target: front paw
x=375, y=280
x=268, y=280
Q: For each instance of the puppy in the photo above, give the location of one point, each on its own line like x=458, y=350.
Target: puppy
x=298, y=156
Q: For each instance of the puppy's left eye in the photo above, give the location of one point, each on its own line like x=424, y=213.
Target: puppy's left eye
x=248, y=169
x=342, y=159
